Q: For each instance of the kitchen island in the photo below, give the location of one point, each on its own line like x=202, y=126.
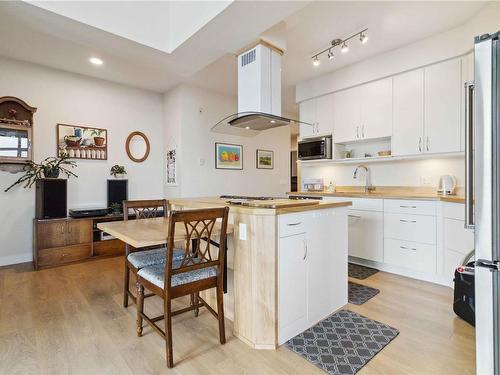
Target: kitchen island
x=287, y=265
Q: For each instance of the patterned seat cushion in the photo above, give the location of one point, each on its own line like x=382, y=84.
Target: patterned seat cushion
x=156, y=274
x=141, y=259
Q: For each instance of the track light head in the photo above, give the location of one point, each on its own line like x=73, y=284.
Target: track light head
x=363, y=38
x=344, y=48
x=316, y=61
x=330, y=54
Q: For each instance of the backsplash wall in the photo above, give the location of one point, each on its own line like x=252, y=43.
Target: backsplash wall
x=417, y=172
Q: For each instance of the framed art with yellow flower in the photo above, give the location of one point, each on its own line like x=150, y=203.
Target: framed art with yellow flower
x=228, y=156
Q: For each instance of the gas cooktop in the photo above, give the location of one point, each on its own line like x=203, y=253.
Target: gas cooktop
x=243, y=197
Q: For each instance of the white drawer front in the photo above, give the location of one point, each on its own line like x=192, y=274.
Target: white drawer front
x=413, y=207
x=411, y=255
x=417, y=228
x=456, y=237
x=290, y=224
x=365, y=204
x=454, y=211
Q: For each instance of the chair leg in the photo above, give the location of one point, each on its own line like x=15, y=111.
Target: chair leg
x=140, y=308
x=126, y=283
x=168, y=332
x=196, y=302
x=220, y=314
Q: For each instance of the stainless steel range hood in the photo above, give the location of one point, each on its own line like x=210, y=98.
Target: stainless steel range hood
x=259, y=93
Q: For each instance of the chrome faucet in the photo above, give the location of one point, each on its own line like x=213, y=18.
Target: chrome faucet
x=368, y=186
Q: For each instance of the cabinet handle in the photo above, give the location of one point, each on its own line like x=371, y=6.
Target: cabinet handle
x=407, y=221
x=354, y=216
x=62, y=228
x=419, y=144
x=427, y=146
x=407, y=248
x=293, y=224
x=408, y=206
x=362, y=131
x=305, y=250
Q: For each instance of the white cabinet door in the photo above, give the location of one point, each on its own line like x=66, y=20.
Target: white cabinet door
x=292, y=281
x=307, y=113
x=324, y=114
x=442, y=107
x=346, y=115
x=408, y=113
x=366, y=235
x=376, y=109
x=327, y=263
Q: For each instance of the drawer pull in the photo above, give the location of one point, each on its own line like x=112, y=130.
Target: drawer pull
x=407, y=221
x=355, y=216
x=408, y=206
x=407, y=248
x=293, y=224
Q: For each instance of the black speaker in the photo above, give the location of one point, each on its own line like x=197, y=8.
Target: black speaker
x=51, y=198
x=117, y=192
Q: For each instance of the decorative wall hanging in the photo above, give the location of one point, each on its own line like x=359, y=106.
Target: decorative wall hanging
x=172, y=167
x=137, y=147
x=16, y=131
x=265, y=159
x=81, y=142
x=228, y=156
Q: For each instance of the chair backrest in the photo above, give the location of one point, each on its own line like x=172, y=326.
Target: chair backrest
x=200, y=227
x=145, y=209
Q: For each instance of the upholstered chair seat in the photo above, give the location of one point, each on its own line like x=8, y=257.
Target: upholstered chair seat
x=141, y=259
x=155, y=274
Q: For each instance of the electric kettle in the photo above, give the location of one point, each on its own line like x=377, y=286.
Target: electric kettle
x=447, y=185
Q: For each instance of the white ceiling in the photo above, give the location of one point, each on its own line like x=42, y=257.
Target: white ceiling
x=206, y=58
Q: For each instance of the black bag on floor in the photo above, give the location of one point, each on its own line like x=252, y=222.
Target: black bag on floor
x=464, y=295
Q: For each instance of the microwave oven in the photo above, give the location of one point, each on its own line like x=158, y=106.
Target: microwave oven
x=315, y=148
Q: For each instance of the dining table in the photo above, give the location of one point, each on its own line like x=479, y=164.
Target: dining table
x=152, y=232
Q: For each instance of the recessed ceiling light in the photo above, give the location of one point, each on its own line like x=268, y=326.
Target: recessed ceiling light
x=96, y=61
x=247, y=127
x=272, y=122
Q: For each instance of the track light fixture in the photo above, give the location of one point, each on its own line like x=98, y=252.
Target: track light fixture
x=344, y=48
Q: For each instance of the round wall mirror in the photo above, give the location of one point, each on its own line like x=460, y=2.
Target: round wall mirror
x=137, y=147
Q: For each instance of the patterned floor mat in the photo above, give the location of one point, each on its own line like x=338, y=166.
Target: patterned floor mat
x=360, y=272
x=342, y=343
x=359, y=294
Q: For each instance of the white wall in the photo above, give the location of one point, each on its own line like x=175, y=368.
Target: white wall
x=72, y=99
x=191, y=112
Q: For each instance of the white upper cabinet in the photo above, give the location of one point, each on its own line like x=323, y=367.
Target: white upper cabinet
x=319, y=113
x=376, y=109
x=442, y=93
x=408, y=113
x=307, y=113
x=346, y=115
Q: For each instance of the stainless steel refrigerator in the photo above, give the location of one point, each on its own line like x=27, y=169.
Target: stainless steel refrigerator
x=483, y=196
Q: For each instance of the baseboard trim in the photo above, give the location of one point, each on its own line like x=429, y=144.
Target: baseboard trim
x=15, y=259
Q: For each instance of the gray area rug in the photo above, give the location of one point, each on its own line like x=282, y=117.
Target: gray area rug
x=359, y=294
x=360, y=272
x=342, y=343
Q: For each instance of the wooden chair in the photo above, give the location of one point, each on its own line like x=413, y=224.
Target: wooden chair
x=135, y=259
x=198, y=270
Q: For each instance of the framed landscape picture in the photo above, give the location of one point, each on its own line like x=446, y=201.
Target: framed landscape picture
x=82, y=142
x=228, y=156
x=265, y=159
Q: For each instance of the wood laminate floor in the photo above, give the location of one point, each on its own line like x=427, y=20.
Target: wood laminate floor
x=69, y=320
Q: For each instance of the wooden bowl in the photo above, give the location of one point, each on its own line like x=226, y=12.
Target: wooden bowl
x=384, y=153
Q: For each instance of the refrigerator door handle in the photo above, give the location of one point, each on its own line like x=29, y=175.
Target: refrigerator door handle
x=492, y=265
x=469, y=155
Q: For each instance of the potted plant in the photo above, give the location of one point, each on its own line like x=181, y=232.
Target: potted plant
x=51, y=167
x=118, y=171
x=98, y=140
x=116, y=208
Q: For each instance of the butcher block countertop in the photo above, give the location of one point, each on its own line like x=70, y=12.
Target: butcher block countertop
x=277, y=206
x=387, y=192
